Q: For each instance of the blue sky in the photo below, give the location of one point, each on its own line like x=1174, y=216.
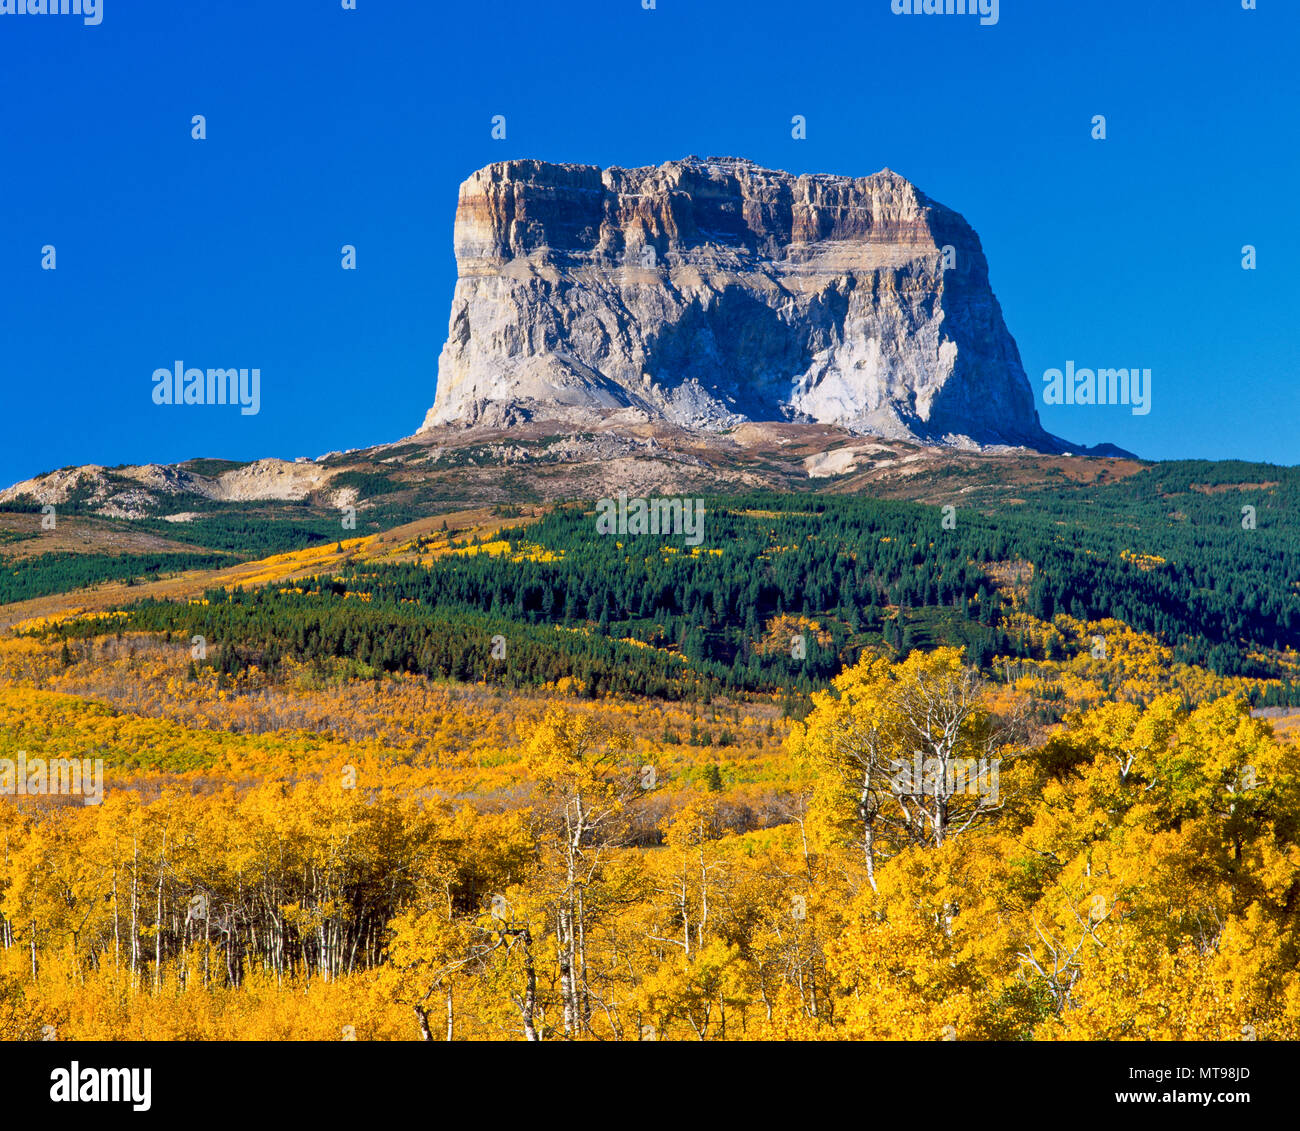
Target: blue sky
x=329, y=127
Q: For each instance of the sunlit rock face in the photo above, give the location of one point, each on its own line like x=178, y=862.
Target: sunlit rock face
x=707, y=292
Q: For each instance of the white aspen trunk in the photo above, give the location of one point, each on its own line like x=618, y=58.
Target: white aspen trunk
x=563, y=940
x=704, y=898
x=117, y=939
x=135, y=911
x=684, y=904
x=529, y=1005
x=157, y=939
x=422, y=1019
x=869, y=849
x=868, y=830
x=584, y=1004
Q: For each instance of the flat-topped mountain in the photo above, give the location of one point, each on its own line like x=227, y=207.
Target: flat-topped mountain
x=703, y=325
x=707, y=292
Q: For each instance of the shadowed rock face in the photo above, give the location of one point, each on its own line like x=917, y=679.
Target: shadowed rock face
x=706, y=292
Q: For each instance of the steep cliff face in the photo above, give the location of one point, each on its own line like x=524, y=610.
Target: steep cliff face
x=706, y=292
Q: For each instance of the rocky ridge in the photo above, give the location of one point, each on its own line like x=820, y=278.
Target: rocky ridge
x=139, y=491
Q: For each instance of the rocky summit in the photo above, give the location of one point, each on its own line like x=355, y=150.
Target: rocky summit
x=707, y=292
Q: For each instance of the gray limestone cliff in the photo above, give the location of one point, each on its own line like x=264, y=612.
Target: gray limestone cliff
x=706, y=292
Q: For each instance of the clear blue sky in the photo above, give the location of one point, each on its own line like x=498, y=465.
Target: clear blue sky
x=328, y=126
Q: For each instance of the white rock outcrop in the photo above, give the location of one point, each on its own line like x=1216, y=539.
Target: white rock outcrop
x=708, y=292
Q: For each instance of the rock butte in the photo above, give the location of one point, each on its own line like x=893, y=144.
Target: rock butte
x=707, y=292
